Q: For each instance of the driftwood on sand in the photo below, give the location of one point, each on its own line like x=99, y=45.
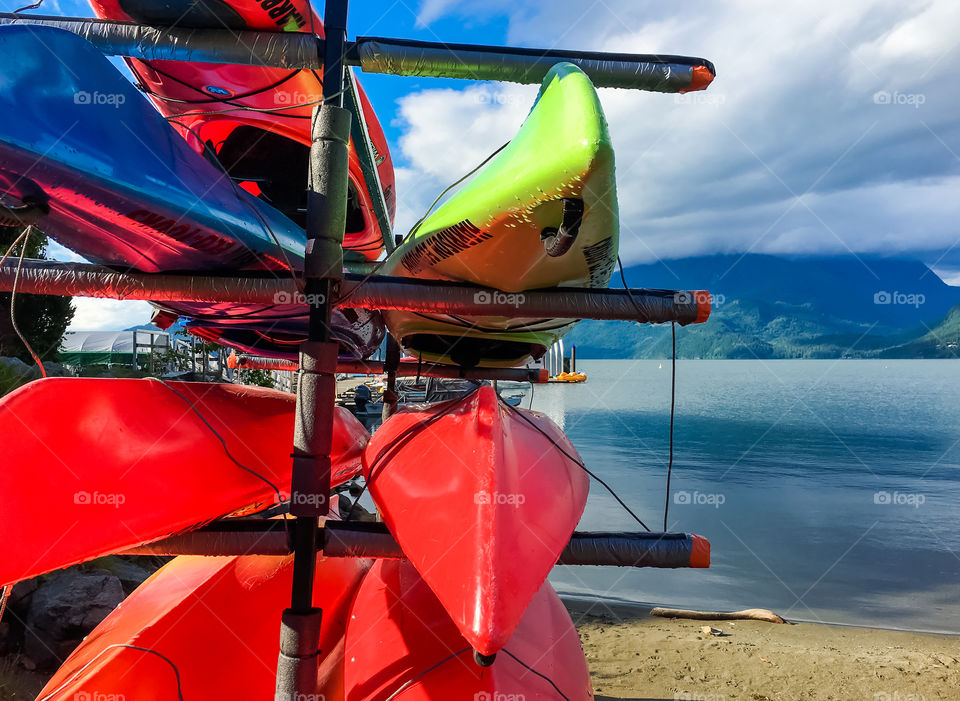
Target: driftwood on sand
x=751, y=614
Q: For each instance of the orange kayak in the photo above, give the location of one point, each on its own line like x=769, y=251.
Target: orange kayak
x=208, y=625
x=102, y=465
x=401, y=644
x=482, y=499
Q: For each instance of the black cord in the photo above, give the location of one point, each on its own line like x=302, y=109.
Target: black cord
x=577, y=462
x=539, y=674
x=410, y=682
x=399, y=442
x=222, y=441
x=673, y=389
x=80, y=671
x=673, y=398
x=207, y=99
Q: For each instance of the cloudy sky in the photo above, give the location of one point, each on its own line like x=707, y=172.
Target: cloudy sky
x=831, y=128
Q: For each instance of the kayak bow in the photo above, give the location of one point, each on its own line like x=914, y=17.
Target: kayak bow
x=481, y=501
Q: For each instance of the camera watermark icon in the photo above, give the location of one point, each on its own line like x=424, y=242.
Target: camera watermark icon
x=514, y=499
x=699, y=98
x=885, y=97
x=899, y=298
x=284, y=97
x=308, y=499
x=685, y=498
x=97, y=696
x=497, y=696
x=498, y=98
x=99, y=499
x=82, y=97
x=299, y=696
x=899, y=499
x=514, y=299
x=312, y=300
x=698, y=297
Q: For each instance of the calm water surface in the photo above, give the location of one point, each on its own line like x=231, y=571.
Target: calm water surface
x=829, y=490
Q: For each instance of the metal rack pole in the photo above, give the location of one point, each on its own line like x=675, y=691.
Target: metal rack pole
x=316, y=390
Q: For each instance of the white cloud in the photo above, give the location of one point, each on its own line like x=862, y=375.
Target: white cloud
x=94, y=314
x=788, y=151
x=109, y=314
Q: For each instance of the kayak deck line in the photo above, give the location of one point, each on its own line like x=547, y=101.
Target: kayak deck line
x=344, y=539
x=641, y=305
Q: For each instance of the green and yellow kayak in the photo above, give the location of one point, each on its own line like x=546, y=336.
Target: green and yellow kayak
x=542, y=213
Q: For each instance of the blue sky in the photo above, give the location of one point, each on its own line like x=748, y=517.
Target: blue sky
x=832, y=128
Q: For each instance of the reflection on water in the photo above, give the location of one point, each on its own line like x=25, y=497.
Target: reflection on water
x=829, y=490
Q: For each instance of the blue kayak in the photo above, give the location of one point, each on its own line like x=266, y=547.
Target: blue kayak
x=117, y=184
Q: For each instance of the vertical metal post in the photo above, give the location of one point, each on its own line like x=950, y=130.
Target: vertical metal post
x=316, y=389
x=392, y=362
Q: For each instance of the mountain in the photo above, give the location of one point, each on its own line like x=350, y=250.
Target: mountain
x=775, y=307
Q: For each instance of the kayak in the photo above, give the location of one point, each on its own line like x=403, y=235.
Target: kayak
x=542, y=213
x=146, y=454
x=215, y=621
x=397, y=621
x=266, y=152
x=482, y=500
x=278, y=332
x=135, y=197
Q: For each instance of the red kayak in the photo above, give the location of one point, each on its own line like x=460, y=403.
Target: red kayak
x=264, y=151
x=402, y=645
x=482, y=499
x=215, y=620
x=102, y=465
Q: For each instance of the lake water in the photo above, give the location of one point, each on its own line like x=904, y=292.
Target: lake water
x=829, y=490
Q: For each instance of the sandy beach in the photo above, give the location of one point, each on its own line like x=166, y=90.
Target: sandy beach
x=634, y=656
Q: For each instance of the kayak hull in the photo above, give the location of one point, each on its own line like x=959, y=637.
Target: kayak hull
x=124, y=189
x=482, y=500
x=215, y=619
x=396, y=620
x=145, y=454
x=269, y=147
x=504, y=229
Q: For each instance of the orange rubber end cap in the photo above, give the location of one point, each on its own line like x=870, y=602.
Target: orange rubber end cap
x=700, y=552
x=232, y=361
x=701, y=78
x=702, y=298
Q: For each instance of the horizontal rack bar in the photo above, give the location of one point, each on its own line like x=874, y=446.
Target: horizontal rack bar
x=653, y=72
x=424, y=296
x=373, y=540
x=405, y=369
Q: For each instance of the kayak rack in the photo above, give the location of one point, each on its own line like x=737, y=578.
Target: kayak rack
x=324, y=283
x=651, y=306
x=652, y=72
x=373, y=540
x=403, y=369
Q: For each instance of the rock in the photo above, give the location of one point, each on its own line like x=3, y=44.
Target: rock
x=130, y=574
x=17, y=367
x=21, y=593
x=64, y=609
x=707, y=630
